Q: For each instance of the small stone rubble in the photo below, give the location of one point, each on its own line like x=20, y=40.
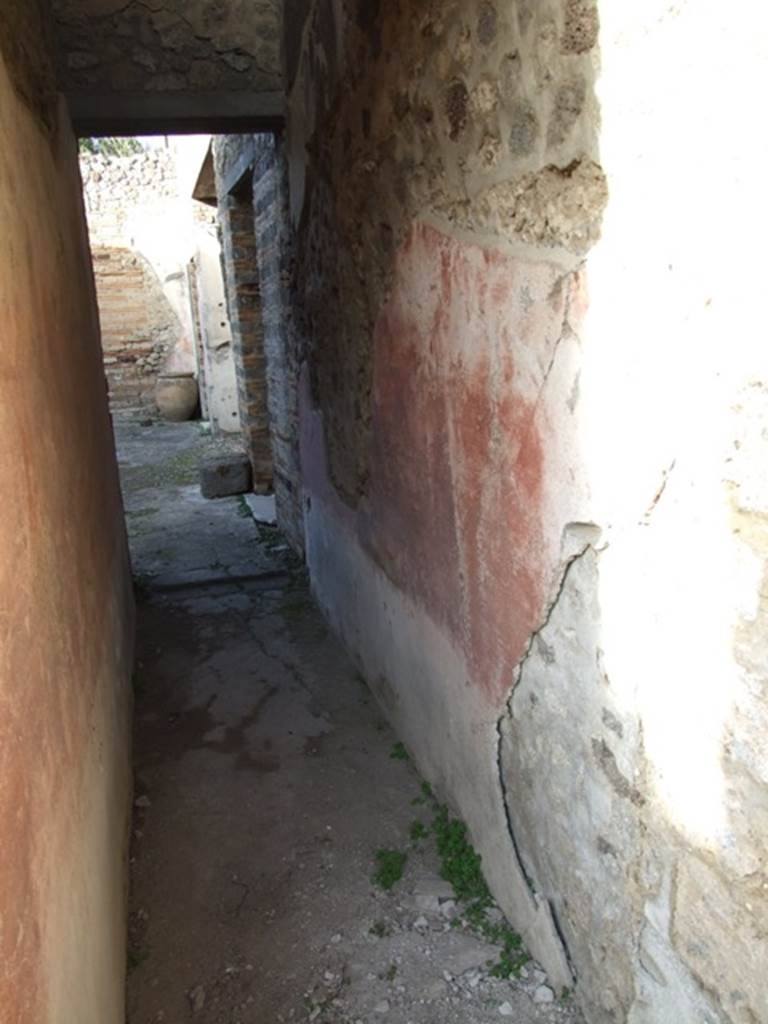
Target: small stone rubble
x=419, y=961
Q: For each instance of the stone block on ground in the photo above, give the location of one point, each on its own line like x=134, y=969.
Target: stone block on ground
x=224, y=475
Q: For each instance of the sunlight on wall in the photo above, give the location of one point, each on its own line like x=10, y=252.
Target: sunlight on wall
x=670, y=344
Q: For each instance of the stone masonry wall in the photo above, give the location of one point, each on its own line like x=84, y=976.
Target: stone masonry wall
x=170, y=46
x=274, y=254
x=444, y=203
x=531, y=440
x=252, y=185
x=486, y=127
x=140, y=244
x=241, y=278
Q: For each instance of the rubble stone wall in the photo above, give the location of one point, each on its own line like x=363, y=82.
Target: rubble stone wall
x=110, y=46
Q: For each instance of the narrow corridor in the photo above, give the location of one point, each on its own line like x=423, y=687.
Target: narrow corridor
x=494, y=682
x=266, y=782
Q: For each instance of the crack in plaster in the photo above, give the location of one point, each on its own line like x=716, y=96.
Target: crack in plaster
x=505, y=804
x=507, y=712
x=566, y=330
x=665, y=475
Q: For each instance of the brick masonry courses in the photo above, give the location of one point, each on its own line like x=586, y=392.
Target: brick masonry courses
x=139, y=228
x=241, y=276
x=252, y=185
x=275, y=259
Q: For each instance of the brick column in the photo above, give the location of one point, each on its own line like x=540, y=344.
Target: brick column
x=270, y=195
x=241, y=276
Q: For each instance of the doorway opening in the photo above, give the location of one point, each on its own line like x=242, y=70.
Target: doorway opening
x=282, y=863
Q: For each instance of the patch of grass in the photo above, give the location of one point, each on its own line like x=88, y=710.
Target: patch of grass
x=461, y=865
x=380, y=929
x=513, y=955
x=426, y=796
x=243, y=509
x=398, y=752
x=418, y=830
x=390, y=866
x=459, y=862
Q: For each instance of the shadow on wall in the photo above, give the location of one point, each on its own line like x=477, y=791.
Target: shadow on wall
x=66, y=610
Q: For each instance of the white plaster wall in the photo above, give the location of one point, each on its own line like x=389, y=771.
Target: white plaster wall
x=634, y=750
x=220, y=378
x=162, y=230
x=674, y=411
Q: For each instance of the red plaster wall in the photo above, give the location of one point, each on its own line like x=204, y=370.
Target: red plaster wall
x=65, y=604
x=461, y=493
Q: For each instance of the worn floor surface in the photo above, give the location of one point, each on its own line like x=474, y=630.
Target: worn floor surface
x=265, y=784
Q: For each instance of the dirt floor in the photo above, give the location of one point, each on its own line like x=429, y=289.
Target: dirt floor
x=267, y=782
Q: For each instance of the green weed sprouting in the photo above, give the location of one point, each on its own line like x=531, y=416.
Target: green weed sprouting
x=390, y=866
x=461, y=865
